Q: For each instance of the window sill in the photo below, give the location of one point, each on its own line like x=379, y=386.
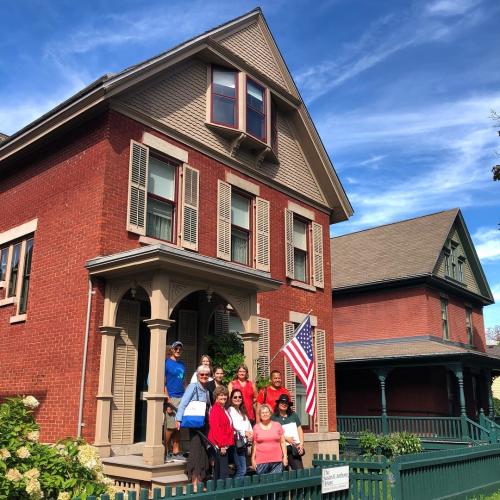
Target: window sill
x=17, y=319
x=149, y=240
x=304, y=286
x=8, y=301
x=457, y=282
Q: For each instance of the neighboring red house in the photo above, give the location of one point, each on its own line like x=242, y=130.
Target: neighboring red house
x=185, y=196
x=408, y=304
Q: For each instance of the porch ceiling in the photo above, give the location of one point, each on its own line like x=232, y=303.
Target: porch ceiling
x=169, y=258
x=410, y=350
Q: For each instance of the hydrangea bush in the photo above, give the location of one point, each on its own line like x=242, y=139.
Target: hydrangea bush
x=32, y=470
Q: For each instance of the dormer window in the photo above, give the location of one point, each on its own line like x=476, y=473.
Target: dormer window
x=225, y=97
x=454, y=262
x=256, y=110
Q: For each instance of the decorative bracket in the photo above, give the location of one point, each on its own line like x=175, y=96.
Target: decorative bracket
x=236, y=143
x=261, y=156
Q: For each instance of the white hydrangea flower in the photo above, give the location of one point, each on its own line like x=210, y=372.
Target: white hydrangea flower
x=33, y=436
x=23, y=452
x=89, y=458
x=34, y=489
x=64, y=495
x=31, y=402
x=13, y=475
x=61, y=448
x=4, y=453
x=32, y=474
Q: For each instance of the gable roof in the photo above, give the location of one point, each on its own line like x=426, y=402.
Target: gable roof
x=400, y=251
x=220, y=41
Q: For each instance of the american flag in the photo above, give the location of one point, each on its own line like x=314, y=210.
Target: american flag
x=299, y=352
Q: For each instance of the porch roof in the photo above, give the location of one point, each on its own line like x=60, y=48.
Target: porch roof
x=408, y=350
x=170, y=258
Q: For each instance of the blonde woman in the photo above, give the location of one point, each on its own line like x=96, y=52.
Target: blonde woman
x=205, y=360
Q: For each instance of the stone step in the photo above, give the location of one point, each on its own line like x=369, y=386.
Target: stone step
x=172, y=480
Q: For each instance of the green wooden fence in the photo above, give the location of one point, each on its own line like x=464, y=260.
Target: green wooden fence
x=430, y=428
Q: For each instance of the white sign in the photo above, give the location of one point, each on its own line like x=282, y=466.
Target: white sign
x=335, y=479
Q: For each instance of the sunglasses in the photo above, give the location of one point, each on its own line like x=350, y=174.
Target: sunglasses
x=237, y=397
x=177, y=348
x=203, y=374
x=284, y=403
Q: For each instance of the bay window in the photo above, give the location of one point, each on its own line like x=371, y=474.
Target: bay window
x=161, y=199
x=225, y=97
x=256, y=110
x=240, y=228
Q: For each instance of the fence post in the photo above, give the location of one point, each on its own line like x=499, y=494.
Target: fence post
x=395, y=478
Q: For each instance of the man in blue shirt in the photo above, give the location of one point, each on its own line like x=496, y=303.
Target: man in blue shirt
x=174, y=389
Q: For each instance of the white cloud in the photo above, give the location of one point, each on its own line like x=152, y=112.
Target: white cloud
x=450, y=7
x=373, y=161
x=487, y=243
x=385, y=37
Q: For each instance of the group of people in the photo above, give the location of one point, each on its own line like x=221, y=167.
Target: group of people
x=240, y=423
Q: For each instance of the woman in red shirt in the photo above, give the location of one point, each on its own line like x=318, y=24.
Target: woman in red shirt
x=221, y=432
x=246, y=387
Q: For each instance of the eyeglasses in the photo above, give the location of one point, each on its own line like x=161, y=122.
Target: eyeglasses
x=237, y=397
x=177, y=348
x=203, y=374
x=284, y=403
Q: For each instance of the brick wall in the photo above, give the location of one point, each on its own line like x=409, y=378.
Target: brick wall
x=402, y=312
x=77, y=189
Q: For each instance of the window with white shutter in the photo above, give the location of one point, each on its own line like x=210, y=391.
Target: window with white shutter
x=262, y=234
x=290, y=270
x=125, y=373
x=138, y=178
x=224, y=220
x=263, y=360
x=317, y=247
x=321, y=381
x=190, y=209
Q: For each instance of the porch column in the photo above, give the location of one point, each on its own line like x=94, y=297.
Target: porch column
x=382, y=374
x=250, y=350
x=104, y=395
x=458, y=371
x=153, y=449
x=488, y=379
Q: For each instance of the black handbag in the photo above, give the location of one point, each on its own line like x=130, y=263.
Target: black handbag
x=294, y=451
x=240, y=442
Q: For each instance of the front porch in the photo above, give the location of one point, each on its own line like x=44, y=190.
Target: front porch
x=437, y=390
x=155, y=295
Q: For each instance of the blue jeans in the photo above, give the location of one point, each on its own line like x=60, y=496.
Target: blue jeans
x=269, y=468
x=240, y=461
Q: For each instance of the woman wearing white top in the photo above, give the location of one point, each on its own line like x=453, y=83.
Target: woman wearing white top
x=205, y=360
x=243, y=427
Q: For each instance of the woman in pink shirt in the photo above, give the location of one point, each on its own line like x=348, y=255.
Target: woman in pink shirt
x=269, y=446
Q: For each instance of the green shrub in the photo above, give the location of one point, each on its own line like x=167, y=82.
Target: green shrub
x=31, y=470
x=226, y=350
x=342, y=443
x=392, y=445
x=496, y=406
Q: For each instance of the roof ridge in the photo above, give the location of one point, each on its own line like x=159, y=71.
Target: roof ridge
x=456, y=210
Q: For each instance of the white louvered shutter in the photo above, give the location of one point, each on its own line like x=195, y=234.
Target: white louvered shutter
x=321, y=381
x=224, y=221
x=187, y=328
x=125, y=373
x=263, y=361
x=290, y=267
x=317, y=237
x=290, y=378
x=262, y=234
x=137, y=188
x=190, y=208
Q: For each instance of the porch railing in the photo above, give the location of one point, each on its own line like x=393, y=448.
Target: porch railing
x=429, y=428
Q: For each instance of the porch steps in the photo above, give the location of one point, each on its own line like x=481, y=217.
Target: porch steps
x=170, y=480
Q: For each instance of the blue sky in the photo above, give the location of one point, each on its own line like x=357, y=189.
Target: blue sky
x=401, y=91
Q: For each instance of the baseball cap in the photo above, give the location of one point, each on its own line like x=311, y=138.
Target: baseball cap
x=177, y=343
x=284, y=399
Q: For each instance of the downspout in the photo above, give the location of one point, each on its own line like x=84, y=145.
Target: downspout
x=84, y=361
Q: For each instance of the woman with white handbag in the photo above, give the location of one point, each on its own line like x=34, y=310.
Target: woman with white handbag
x=192, y=414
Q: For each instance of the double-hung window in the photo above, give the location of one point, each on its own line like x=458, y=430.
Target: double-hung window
x=256, y=110
x=444, y=319
x=468, y=325
x=240, y=228
x=304, y=247
x=15, y=268
x=300, y=253
x=242, y=223
x=161, y=199
x=225, y=97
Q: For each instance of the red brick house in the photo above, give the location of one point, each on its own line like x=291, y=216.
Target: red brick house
x=183, y=196
x=408, y=323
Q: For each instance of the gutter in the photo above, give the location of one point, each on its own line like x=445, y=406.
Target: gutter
x=84, y=361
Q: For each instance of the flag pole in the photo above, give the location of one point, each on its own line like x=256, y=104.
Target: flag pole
x=281, y=348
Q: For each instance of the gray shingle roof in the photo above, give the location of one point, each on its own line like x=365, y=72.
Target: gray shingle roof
x=400, y=250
